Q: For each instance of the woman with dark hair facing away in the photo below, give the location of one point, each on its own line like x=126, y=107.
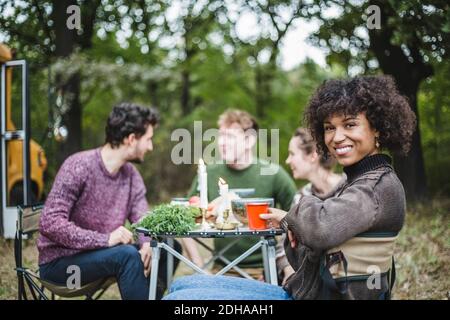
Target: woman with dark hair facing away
x=340, y=247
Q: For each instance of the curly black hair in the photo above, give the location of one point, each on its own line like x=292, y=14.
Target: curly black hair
x=386, y=109
x=127, y=118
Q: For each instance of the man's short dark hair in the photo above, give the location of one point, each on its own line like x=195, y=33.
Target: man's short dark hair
x=127, y=118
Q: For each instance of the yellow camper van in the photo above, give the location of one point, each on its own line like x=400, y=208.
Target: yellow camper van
x=14, y=150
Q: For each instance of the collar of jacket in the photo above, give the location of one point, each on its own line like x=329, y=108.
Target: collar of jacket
x=366, y=164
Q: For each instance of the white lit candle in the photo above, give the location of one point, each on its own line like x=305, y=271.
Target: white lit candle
x=203, y=183
x=223, y=191
x=223, y=187
x=225, y=204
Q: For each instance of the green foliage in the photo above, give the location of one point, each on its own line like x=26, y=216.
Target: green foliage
x=420, y=30
x=422, y=253
x=147, y=64
x=168, y=218
x=434, y=107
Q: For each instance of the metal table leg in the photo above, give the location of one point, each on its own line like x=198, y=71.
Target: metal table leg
x=240, y=258
x=170, y=243
x=265, y=260
x=181, y=258
x=219, y=254
x=271, y=256
x=156, y=250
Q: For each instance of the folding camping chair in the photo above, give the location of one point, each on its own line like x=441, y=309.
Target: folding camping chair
x=27, y=225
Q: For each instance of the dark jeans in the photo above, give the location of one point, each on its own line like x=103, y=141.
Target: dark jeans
x=122, y=261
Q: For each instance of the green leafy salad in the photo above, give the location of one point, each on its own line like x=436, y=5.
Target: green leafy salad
x=167, y=218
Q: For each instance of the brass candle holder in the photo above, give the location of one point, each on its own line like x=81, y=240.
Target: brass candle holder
x=226, y=224
x=205, y=224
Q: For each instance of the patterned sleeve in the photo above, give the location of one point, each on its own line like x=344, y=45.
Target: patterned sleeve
x=54, y=221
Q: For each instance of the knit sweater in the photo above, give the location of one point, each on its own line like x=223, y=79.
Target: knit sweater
x=372, y=200
x=307, y=190
x=86, y=204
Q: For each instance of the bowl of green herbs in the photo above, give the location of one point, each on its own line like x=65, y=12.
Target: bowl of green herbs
x=169, y=219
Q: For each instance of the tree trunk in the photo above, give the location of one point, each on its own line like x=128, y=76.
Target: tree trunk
x=260, y=95
x=72, y=120
x=66, y=41
x=410, y=168
x=153, y=92
x=264, y=77
x=185, y=99
x=408, y=75
x=185, y=92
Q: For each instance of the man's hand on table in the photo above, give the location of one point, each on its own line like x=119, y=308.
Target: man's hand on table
x=124, y=236
x=146, y=255
x=120, y=235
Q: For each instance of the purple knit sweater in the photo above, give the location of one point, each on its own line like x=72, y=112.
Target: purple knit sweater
x=86, y=204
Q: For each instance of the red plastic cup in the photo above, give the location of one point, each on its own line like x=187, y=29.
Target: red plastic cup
x=253, y=212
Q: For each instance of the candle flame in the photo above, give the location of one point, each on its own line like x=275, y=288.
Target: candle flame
x=222, y=181
x=201, y=162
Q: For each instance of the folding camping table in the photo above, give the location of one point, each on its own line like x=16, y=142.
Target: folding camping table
x=266, y=243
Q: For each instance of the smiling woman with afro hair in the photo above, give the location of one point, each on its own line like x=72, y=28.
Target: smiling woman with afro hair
x=387, y=111
x=341, y=244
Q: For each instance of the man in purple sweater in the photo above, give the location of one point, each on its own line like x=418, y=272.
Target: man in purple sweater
x=94, y=193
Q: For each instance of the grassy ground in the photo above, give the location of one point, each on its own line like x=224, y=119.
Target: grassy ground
x=422, y=257
x=423, y=253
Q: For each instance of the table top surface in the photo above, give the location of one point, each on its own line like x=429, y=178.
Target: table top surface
x=216, y=233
